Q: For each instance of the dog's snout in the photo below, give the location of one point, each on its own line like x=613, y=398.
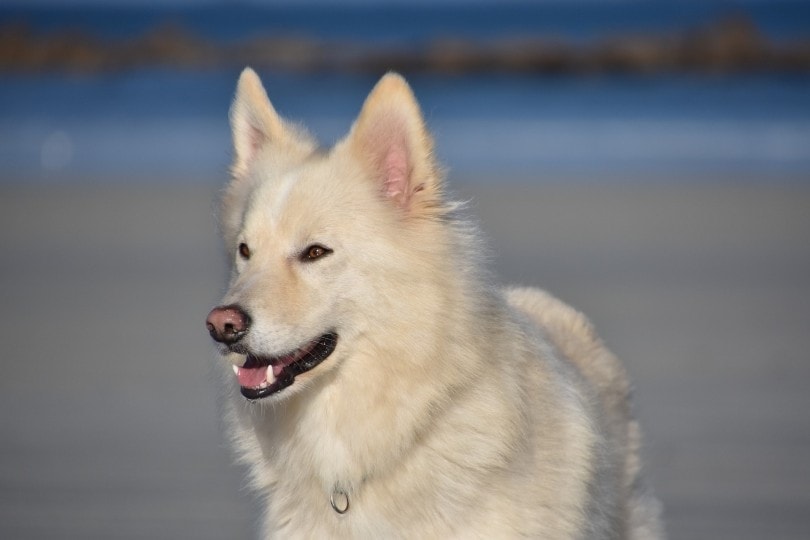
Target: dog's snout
x=227, y=324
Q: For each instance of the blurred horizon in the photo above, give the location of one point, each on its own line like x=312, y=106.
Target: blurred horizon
x=583, y=89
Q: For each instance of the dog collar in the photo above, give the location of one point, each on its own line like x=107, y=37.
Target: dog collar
x=339, y=500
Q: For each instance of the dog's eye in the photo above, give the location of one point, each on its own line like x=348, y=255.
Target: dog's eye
x=244, y=251
x=315, y=251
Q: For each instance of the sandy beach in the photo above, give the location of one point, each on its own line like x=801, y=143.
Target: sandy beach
x=108, y=405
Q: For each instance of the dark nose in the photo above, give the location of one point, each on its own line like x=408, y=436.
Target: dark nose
x=227, y=324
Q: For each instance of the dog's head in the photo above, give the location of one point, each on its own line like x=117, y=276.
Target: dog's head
x=327, y=247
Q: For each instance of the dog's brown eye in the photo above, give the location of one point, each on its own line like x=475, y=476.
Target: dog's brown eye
x=315, y=251
x=244, y=251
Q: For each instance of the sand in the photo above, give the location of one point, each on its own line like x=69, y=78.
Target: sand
x=108, y=407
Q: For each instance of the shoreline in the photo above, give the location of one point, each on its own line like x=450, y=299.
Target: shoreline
x=455, y=179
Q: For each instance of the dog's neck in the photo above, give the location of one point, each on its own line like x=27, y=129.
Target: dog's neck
x=339, y=433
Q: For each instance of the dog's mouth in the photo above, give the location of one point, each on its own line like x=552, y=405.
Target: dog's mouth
x=262, y=376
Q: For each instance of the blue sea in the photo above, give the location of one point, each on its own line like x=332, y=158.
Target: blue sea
x=173, y=124
x=390, y=21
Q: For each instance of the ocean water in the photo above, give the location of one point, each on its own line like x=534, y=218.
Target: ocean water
x=413, y=22
x=175, y=124
x=131, y=126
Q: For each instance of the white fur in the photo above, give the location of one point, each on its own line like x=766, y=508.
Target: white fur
x=449, y=408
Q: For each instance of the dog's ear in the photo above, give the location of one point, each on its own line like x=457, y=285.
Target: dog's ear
x=256, y=126
x=254, y=121
x=390, y=139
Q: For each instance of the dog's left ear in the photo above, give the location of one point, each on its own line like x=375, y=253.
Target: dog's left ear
x=390, y=139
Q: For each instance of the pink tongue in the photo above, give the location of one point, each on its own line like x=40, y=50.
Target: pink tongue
x=251, y=378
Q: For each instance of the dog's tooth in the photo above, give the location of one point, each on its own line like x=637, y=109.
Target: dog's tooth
x=235, y=369
x=270, y=377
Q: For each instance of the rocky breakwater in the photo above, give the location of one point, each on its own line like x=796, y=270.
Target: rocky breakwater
x=730, y=45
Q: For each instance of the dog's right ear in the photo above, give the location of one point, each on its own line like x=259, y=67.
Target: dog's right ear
x=254, y=122
x=256, y=127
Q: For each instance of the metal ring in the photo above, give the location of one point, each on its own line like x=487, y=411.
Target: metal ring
x=339, y=501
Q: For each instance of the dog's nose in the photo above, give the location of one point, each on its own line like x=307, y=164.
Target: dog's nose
x=227, y=324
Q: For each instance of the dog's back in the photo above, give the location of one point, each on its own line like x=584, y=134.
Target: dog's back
x=572, y=334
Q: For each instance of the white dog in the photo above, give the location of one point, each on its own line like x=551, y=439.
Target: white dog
x=388, y=389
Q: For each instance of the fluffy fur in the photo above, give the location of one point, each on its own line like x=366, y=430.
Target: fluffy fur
x=449, y=408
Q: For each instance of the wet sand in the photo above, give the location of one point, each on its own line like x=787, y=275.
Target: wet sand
x=108, y=403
